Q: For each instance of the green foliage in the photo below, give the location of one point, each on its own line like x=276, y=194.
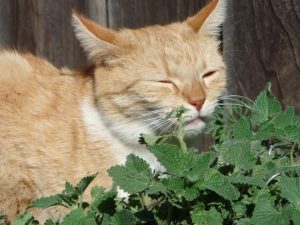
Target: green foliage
x=250, y=177
x=2, y=219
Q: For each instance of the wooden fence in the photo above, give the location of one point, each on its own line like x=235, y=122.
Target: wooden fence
x=261, y=38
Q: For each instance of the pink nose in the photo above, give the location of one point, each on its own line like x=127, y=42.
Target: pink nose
x=198, y=103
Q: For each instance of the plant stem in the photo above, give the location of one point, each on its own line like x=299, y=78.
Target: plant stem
x=180, y=135
x=80, y=200
x=142, y=200
x=155, y=203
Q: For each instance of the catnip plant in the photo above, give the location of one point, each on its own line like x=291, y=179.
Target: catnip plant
x=251, y=176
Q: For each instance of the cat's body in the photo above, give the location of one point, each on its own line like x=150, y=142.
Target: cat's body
x=58, y=125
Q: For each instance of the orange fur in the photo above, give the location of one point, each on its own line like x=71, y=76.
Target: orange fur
x=58, y=125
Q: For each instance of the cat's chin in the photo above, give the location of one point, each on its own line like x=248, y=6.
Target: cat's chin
x=194, y=127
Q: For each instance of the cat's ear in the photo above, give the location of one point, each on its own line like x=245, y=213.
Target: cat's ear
x=209, y=19
x=99, y=42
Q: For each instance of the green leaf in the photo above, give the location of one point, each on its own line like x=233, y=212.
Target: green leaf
x=239, y=208
x=84, y=183
x=238, y=154
x=149, y=139
x=174, y=184
x=290, y=190
x=26, y=219
x=135, y=176
x=243, y=129
x=176, y=161
x=200, y=166
x=221, y=185
x=70, y=190
x=156, y=187
x=265, y=132
x=254, y=180
x=78, y=217
x=125, y=217
x=266, y=106
x=203, y=217
x=49, y=222
x=46, y=202
x=101, y=199
x=266, y=214
x=190, y=193
x=293, y=134
x=284, y=119
x=2, y=219
x=243, y=221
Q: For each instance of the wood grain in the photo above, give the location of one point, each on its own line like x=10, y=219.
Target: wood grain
x=137, y=13
x=44, y=28
x=262, y=44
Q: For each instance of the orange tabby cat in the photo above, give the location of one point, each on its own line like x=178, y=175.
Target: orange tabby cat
x=58, y=125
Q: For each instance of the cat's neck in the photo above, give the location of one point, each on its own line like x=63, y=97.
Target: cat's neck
x=99, y=132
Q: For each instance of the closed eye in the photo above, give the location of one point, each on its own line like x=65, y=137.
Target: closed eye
x=169, y=82
x=209, y=74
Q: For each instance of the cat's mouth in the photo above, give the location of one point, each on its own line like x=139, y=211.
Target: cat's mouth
x=194, y=121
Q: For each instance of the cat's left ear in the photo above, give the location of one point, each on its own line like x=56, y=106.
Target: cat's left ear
x=209, y=19
x=99, y=42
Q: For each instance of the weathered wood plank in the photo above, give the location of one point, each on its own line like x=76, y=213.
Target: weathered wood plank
x=137, y=13
x=96, y=10
x=44, y=28
x=262, y=43
x=6, y=30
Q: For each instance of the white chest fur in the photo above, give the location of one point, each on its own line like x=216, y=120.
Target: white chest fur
x=97, y=131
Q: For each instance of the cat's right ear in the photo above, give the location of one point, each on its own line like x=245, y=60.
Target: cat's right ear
x=99, y=42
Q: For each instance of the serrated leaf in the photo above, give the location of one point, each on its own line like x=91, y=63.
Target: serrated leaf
x=239, y=208
x=255, y=180
x=210, y=217
x=284, y=119
x=26, y=219
x=238, y=154
x=84, y=183
x=200, y=166
x=156, y=187
x=149, y=139
x=46, y=202
x=221, y=185
x=49, y=222
x=77, y=217
x=266, y=106
x=190, y=193
x=176, y=162
x=135, y=176
x=125, y=217
x=243, y=221
x=101, y=201
x=265, y=213
x=97, y=194
x=293, y=134
x=174, y=184
x=265, y=132
x=70, y=190
x=243, y=129
x=290, y=190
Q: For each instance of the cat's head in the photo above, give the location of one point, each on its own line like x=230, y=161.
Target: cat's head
x=143, y=74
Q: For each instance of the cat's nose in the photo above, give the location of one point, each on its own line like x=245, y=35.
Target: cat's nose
x=197, y=103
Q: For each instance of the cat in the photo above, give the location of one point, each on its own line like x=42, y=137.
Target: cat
x=58, y=125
